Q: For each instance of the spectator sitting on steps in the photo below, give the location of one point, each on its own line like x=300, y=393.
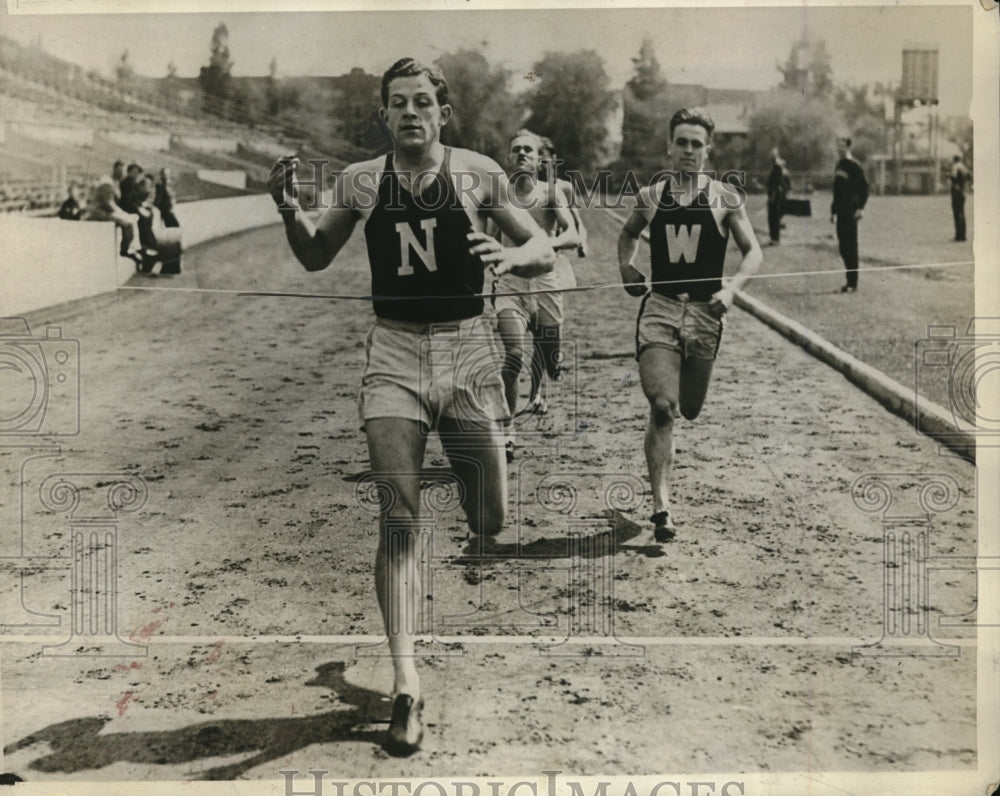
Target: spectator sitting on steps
x=129, y=187
x=71, y=209
x=104, y=208
x=160, y=244
x=164, y=200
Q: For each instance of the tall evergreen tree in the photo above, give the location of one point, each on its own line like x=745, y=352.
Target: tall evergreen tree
x=644, y=114
x=216, y=79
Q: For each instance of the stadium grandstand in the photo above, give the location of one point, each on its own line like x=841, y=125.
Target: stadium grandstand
x=63, y=124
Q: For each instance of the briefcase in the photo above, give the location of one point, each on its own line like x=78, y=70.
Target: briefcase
x=798, y=207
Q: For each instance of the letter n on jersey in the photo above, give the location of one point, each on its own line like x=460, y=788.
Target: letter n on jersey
x=682, y=242
x=408, y=242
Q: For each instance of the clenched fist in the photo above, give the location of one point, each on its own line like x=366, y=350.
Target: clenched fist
x=281, y=183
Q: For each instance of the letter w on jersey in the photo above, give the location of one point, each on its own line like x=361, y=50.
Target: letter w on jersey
x=682, y=242
x=408, y=242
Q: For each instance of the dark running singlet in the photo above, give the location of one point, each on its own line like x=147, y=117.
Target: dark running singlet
x=421, y=266
x=685, y=244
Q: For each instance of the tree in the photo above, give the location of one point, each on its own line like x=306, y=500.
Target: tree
x=647, y=82
x=279, y=97
x=865, y=120
x=124, y=71
x=484, y=111
x=819, y=67
x=168, y=87
x=356, y=108
x=245, y=103
x=272, y=97
x=644, y=114
x=958, y=129
x=570, y=103
x=807, y=69
x=216, y=79
x=803, y=129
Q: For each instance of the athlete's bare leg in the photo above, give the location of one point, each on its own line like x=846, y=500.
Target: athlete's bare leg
x=476, y=454
x=695, y=376
x=517, y=343
x=396, y=449
x=675, y=387
x=660, y=376
x=548, y=341
x=537, y=366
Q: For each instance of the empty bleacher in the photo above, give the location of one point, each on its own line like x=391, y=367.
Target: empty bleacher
x=60, y=123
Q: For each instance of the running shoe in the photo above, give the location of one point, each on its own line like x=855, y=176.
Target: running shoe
x=406, y=729
x=663, y=527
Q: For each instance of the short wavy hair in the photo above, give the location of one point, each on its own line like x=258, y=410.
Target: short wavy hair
x=410, y=67
x=524, y=132
x=696, y=115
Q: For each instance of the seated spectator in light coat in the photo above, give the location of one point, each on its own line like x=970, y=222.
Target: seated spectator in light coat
x=104, y=208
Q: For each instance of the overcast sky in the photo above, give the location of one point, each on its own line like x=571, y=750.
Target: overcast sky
x=720, y=47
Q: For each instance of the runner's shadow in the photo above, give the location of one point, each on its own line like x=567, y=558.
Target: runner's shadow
x=428, y=475
x=79, y=745
x=622, y=529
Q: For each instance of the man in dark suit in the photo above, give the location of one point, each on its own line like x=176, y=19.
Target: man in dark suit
x=850, y=193
x=778, y=185
x=960, y=178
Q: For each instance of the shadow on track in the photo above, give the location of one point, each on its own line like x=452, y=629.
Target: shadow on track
x=78, y=745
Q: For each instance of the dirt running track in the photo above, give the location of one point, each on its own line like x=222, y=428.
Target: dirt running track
x=239, y=414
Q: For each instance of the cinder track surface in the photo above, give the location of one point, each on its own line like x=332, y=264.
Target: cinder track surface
x=247, y=573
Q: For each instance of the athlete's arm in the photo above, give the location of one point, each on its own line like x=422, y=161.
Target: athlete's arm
x=492, y=229
x=581, y=230
x=862, y=182
x=628, y=242
x=567, y=237
x=531, y=254
x=738, y=223
x=314, y=245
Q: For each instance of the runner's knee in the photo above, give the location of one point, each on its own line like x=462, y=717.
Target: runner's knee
x=514, y=357
x=663, y=410
x=394, y=503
